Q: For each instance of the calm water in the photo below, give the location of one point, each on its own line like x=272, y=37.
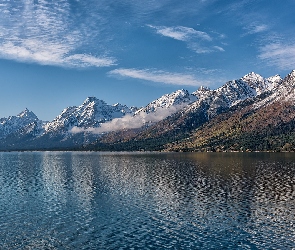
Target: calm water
x=55, y=200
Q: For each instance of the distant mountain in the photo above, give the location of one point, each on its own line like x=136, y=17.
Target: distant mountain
x=26, y=131
x=14, y=123
x=173, y=101
x=227, y=118
x=269, y=128
x=260, y=84
x=178, y=131
x=263, y=123
x=90, y=114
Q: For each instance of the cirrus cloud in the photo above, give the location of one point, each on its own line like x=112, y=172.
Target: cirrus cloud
x=159, y=76
x=45, y=33
x=197, y=41
x=51, y=54
x=278, y=54
x=181, y=33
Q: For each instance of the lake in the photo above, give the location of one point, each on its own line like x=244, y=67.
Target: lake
x=91, y=200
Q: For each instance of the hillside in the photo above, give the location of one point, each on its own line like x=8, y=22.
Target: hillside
x=271, y=128
x=251, y=117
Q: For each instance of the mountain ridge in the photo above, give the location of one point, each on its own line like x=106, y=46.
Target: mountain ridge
x=169, y=118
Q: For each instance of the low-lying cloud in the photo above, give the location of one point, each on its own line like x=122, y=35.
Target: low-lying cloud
x=129, y=121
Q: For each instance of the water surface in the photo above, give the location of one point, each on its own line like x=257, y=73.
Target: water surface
x=88, y=200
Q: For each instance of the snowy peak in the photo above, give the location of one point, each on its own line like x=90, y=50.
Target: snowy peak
x=256, y=82
x=91, y=113
x=27, y=114
x=93, y=101
x=274, y=79
x=252, y=78
x=202, y=92
x=260, y=84
x=290, y=77
x=90, y=99
x=233, y=92
x=93, y=105
x=15, y=123
x=175, y=99
x=197, y=107
x=203, y=89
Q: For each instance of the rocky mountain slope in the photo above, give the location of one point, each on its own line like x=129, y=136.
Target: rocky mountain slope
x=174, y=101
x=176, y=121
x=250, y=91
x=14, y=123
x=91, y=113
x=26, y=131
x=269, y=128
x=263, y=123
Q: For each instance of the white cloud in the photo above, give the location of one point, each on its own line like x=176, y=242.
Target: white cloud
x=44, y=33
x=50, y=54
x=200, y=49
x=219, y=48
x=280, y=55
x=83, y=60
x=259, y=28
x=159, y=76
x=181, y=33
x=198, y=41
x=129, y=121
x=255, y=28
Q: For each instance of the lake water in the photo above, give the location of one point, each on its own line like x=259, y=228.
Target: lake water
x=89, y=200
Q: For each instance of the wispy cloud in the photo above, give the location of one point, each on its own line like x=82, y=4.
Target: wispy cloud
x=219, y=48
x=159, y=76
x=254, y=28
x=204, y=49
x=198, y=41
x=50, y=54
x=181, y=33
x=278, y=54
x=44, y=33
x=259, y=28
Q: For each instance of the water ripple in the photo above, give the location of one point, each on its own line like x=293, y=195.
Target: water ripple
x=56, y=200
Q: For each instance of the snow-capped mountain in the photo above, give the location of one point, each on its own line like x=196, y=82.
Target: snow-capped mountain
x=177, y=100
x=14, y=123
x=233, y=92
x=260, y=84
x=16, y=131
x=285, y=90
x=235, y=100
x=172, y=111
x=91, y=113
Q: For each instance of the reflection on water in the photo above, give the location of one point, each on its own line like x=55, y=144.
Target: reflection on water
x=83, y=178
x=87, y=200
x=54, y=180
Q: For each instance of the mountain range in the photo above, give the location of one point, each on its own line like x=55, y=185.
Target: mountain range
x=248, y=114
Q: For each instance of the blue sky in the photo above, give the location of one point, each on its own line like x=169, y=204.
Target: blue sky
x=54, y=54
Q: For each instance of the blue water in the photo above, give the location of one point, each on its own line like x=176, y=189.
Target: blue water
x=88, y=200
